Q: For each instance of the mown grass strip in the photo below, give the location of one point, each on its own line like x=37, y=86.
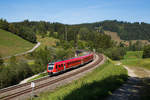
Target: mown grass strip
x=134, y=58
x=96, y=85
x=39, y=76
x=133, y=54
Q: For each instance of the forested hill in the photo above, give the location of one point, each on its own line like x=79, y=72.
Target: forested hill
x=126, y=30
x=28, y=29
x=70, y=33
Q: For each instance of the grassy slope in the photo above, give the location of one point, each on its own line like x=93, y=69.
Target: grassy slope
x=115, y=37
x=95, y=85
x=11, y=44
x=134, y=58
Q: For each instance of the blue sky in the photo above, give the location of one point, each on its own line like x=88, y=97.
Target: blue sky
x=75, y=11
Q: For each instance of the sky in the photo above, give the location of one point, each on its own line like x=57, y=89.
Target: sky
x=75, y=11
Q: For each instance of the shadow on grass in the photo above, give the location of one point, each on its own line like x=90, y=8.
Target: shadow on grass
x=145, y=89
x=134, y=89
x=97, y=90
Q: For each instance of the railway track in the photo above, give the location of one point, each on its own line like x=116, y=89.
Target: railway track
x=28, y=89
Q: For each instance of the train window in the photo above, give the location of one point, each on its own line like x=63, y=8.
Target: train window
x=56, y=66
x=50, y=66
x=61, y=65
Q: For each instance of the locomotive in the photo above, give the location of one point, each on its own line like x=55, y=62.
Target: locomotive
x=56, y=67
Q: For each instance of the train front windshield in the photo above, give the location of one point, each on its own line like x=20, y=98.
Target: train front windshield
x=50, y=66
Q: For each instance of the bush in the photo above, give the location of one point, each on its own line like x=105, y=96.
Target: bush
x=3, y=24
x=115, y=53
x=37, y=68
x=14, y=73
x=146, y=52
x=1, y=60
x=43, y=56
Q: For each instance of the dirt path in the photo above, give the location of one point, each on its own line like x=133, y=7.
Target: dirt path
x=36, y=46
x=140, y=72
x=131, y=72
x=134, y=88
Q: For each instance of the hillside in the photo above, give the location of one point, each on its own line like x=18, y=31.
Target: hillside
x=46, y=41
x=125, y=30
x=115, y=37
x=11, y=44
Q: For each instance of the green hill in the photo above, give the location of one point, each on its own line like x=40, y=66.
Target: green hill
x=125, y=30
x=11, y=44
x=115, y=37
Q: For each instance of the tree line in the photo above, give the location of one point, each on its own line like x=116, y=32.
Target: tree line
x=22, y=31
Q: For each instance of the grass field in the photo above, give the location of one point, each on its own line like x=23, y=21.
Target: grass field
x=113, y=35
x=95, y=85
x=134, y=58
x=133, y=55
x=11, y=44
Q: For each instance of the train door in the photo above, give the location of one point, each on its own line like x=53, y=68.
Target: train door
x=64, y=66
x=56, y=68
x=59, y=67
x=82, y=62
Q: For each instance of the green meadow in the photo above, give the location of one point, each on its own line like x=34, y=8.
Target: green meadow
x=134, y=58
x=11, y=44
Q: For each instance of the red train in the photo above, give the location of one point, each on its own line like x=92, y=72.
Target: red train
x=60, y=66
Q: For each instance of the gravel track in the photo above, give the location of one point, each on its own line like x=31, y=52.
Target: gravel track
x=131, y=90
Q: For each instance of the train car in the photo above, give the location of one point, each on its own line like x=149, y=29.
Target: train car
x=60, y=66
